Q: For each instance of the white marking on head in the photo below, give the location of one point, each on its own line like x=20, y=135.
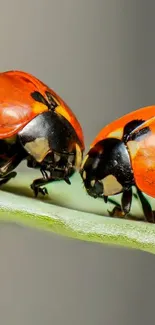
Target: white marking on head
x=38, y=148
x=92, y=183
x=84, y=175
x=111, y=185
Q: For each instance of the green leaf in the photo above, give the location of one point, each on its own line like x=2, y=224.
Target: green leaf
x=69, y=211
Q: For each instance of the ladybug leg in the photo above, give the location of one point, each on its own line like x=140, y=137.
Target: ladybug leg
x=36, y=186
x=126, y=201
x=7, y=178
x=6, y=171
x=56, y=174
x=124, y=209
x=147, y=210
x=37, y=183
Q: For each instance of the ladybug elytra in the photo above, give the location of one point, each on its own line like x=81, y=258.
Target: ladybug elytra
x=37, y=125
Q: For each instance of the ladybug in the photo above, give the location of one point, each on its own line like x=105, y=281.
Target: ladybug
x=121, y=156
x=37, y=125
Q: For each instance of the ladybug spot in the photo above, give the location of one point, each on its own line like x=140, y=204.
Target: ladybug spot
x=38, y=97
x=138, y=134
x=51, y=100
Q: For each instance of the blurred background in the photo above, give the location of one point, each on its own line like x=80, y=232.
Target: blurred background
x=99, y=55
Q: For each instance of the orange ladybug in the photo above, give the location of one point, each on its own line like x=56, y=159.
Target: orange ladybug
x=121, y=156
x=37, y=125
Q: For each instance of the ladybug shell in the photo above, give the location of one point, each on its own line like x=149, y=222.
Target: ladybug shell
x=140, y=141
x=18, y=107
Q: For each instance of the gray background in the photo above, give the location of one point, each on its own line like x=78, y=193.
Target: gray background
x=99, y=55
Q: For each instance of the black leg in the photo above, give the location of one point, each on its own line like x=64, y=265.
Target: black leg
x=148, y=213
x=126, y=201
x=123, y=209
x=37, y=184
x=7, y=178
x=6, y=171
x=105, y=198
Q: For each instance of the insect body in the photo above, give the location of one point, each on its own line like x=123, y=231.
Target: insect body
x=123, y=155
x=37, y=125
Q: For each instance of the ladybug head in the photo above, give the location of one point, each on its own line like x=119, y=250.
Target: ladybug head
x=53, y=144
x=106, y=169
